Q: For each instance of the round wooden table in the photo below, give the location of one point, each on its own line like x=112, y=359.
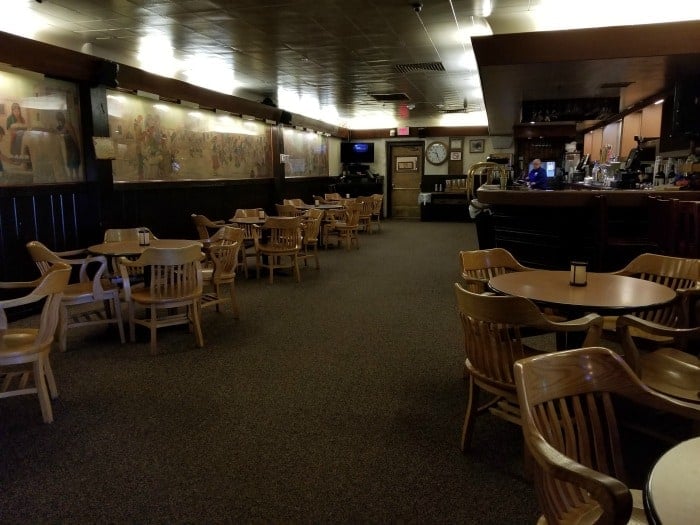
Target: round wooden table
x=125, y=248
x=604, y=294
x=672, y=492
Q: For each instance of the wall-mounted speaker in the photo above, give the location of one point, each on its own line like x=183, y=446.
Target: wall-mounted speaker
x=422, y=133
x=285, y=117
x=106, y=74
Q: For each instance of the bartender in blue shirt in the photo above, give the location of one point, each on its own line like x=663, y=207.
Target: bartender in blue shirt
x=537, y=178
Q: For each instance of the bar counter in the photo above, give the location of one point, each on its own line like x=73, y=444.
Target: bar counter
x=581, y=196
x=548, y=229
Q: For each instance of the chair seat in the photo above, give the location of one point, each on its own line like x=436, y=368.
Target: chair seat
x=145, y=297
x=277, y=250
x=17, y=342
x=672, y=372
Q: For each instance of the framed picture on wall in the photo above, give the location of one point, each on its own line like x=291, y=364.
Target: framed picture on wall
x=476, y=146
x=455, y=155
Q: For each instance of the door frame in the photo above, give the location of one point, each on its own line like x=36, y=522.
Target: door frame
x=390, y=144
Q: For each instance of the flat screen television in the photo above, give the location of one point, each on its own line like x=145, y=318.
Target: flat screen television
x=356, y=152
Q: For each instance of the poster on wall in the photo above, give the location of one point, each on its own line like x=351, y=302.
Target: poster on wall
x=40, y=138
x=161, y=141
x=307, y=153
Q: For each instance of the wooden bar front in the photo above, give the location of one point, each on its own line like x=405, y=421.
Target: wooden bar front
x=549, y=229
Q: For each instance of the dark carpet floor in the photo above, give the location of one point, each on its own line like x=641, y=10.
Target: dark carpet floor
x=339, y=399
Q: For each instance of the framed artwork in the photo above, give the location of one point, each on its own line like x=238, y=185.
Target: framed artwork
x=455, y=155
x=456, y=143
x=476, y=146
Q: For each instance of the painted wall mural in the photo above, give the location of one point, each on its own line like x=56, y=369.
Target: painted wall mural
x=307, y=153
x=161, y=141
x=39, y=130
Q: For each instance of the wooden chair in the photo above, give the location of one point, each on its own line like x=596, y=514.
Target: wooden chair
x=478, y=266
x=205, y=227
x=366, y=205
x=293, y=202
x=571, y=429
x=682, y=275
x=173, y=280
x=289, y=210
x=224, y=256
x=277, y=245
x=668, y=369
x=320, y=199
x=310, y=237
x=332, y=197
x=345, y=231
x=247, y=212
x=375, y=218
x=125, y=234
x=24, y=352
x=492, y=328
x=93, y=300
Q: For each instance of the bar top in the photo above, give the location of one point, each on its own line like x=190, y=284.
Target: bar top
x=491, y=194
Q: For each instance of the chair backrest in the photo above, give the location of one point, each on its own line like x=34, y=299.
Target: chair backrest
x=247, y=212
x=282, y=233
x=352, y=214
x=332, y=196
x=492, y=326
x=675, y=272
x=293, y=202
x=49, y=286
x=286, y=210
x=174, y=272
x=320, y=199
x=312, y=227
x=228, y=235
x=225, y=259
x=377, y=199
x=203, y=225
x=478, y=266
x=366, y=206
x=570, y=427
x=43, y=257
x=492, y=339
x=125, y=234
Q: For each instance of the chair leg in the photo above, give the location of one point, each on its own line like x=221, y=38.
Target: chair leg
x=153, y=325
x=469, y=416
x=62, y=328
x=316, y=256
x=41, y=390
x=48, y=372
x=271, y=261
x=197, y=325
x=118, y=315
x=296, y=267
x=132, y=325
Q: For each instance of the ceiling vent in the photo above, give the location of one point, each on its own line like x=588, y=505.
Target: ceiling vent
x=616, y=85
x=389, y=97
x=419, y=66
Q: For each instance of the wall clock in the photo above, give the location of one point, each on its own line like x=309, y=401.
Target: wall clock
x=436, y=153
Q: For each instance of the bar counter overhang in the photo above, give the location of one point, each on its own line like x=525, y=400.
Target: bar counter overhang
x=548, y=229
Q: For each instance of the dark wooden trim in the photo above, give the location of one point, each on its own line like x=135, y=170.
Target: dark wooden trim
x=679, y=38
x=420, y=132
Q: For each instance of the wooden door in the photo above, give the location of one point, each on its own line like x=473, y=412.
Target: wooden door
x=406, y=173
